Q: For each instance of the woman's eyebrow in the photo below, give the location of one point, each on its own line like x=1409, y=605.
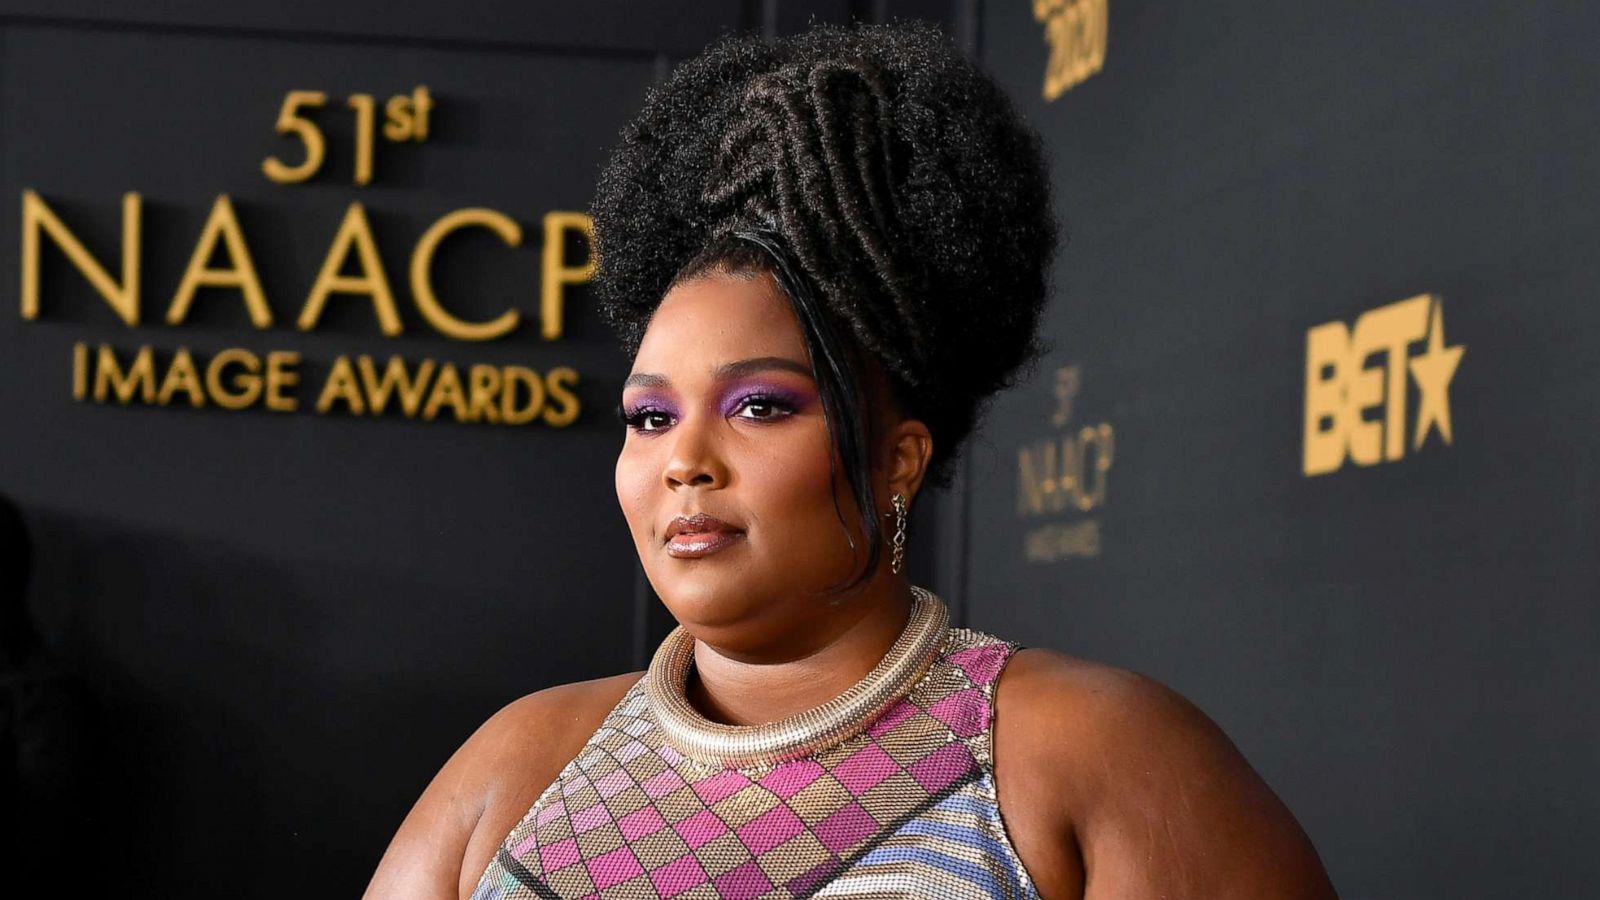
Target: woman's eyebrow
x=726, y=371
x=744, y=367
x=645, y=379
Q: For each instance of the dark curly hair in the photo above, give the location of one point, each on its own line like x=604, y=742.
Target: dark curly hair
x=900, y=181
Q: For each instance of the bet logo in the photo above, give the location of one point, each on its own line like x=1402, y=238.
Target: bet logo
x=1343, y=384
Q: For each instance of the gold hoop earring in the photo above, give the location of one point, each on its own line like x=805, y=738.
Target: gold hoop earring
x=897, y=561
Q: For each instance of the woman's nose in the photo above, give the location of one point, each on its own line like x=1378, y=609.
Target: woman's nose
x=696, y=458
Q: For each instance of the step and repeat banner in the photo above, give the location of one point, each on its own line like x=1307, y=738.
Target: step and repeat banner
x=310, y=417
x=1316, y=441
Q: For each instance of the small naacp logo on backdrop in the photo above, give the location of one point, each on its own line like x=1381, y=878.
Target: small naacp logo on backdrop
x=1061, y=479
x=1076, y=33
x=1343, y=385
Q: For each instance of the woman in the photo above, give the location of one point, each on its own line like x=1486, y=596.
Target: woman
x=824, y=254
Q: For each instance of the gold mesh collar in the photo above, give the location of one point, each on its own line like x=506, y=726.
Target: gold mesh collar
x=804, y=733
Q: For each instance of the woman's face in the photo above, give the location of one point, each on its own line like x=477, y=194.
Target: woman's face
x=724, y=420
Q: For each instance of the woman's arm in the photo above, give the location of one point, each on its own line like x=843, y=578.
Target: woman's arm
x=1121, y=788
x=424, y=859
x=486, y=787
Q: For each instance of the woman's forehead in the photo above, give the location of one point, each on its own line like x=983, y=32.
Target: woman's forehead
x=714, y=319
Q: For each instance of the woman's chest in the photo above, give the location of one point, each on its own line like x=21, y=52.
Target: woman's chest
x=906, y=809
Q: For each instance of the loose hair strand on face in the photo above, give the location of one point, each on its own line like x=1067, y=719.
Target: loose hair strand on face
x=839, y=386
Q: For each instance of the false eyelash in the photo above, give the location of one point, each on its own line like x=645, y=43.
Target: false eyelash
x=635, y=419
x=779, y=403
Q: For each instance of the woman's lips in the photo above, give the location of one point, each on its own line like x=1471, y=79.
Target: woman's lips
x=687, y=545
x=702, y=534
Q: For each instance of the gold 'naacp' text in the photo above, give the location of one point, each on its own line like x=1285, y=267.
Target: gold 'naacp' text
x=222, y=261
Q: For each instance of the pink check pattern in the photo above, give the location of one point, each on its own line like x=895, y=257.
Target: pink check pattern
x=632, y=817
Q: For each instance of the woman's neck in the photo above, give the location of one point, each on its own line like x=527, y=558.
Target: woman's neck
x=748, y=691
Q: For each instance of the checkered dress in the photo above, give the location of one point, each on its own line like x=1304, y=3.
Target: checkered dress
x=907, y=809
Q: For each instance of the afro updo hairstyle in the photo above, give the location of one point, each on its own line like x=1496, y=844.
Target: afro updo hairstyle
x=889, y=171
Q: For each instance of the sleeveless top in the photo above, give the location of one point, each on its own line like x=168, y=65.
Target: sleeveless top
x=907, y=808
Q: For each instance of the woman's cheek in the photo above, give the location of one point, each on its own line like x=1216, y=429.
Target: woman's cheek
x=633, y=491
x=793, y=477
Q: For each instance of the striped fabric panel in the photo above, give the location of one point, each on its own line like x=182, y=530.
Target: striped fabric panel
x=956, y=849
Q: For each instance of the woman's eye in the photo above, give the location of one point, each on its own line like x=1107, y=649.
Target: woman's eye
x=763, y=408
x=646, y=420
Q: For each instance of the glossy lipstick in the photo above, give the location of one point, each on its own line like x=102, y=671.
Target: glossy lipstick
x=692, y=537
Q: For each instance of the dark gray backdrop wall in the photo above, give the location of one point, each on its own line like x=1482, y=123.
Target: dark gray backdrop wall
x=290, y=620
x=1406, y=650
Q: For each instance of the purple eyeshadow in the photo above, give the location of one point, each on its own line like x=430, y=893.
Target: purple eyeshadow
x=739, y=393
x=653, y=402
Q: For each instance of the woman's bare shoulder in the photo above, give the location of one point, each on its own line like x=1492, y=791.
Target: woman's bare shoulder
x=488, y=784
x=556, y=714
x=1093, y=701
x=1115, y=772
x=521, y=749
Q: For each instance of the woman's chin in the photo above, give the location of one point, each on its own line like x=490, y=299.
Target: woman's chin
x=702, y=607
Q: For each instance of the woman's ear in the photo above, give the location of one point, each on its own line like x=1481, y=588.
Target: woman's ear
x=910, y=448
